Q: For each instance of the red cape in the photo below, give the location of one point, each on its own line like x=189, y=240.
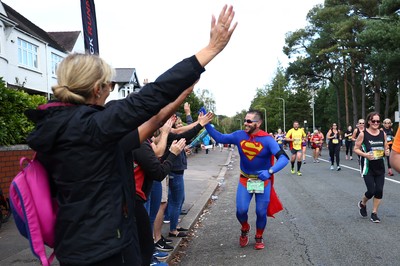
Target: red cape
x=275, y=205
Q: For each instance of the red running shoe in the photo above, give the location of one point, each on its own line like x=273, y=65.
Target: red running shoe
x=244, y=237
x=259, y=243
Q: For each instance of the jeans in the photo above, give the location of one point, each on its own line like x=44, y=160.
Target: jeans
x=176, y=197
x=153, y=202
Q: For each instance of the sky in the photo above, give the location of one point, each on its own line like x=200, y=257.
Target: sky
x=153, y=35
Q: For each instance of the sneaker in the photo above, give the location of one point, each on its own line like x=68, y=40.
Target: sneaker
x=160, y=255
x=304, y=161
x=259, y=243
x=162, y=246
x=155, y=261
x=374, y=218
x=338, y=168
x=363, y=210
x=244, y=237
x=299, y=173
x=317, y=161
x=166, y=240
x=292, y=171
x=351, y=158
x=332, y=167
x=347, y=157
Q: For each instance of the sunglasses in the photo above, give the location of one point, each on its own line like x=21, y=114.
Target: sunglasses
x=361, y=123
x=248, y=121
x=111, y=84
x=375, y=121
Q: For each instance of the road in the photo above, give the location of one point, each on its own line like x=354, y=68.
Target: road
x=320, y=223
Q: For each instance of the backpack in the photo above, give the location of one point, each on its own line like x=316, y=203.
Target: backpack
x=33, y=208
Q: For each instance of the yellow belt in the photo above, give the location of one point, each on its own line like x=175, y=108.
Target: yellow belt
x=248, y=176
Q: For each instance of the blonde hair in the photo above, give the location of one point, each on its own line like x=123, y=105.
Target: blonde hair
x=77, y=76
x=387, y=120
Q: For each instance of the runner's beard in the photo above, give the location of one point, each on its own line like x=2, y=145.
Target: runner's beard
x=250, y=129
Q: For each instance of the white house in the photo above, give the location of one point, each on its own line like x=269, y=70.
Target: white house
x=29, y=56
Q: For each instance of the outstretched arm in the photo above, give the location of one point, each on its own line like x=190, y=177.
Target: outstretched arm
x=147, y=128
x=219, y=137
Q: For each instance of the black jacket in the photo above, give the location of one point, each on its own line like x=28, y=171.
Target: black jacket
x=86, y=155
x=151, y=169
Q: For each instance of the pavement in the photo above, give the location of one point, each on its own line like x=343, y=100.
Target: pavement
x=204, y=174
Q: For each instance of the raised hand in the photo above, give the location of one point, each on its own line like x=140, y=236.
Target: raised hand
x=186, y=108
x=166, y=128
x=205, y=119
x=220, y=34
x=177, y=146
x=221, y=30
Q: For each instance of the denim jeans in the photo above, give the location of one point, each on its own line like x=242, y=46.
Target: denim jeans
x=153, y=202
x=176, y=197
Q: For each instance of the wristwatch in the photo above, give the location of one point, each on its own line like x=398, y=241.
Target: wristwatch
x=271, y=171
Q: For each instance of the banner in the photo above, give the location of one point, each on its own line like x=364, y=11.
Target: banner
x=89, y=27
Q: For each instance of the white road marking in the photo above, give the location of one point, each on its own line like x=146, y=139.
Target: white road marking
x=354, y=169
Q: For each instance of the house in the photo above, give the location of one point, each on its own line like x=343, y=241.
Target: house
x=126, y=82
x=29, y=55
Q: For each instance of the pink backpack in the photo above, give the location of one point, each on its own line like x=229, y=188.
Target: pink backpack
x=33, y=208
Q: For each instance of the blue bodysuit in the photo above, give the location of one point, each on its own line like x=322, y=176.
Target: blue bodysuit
x=255, y=152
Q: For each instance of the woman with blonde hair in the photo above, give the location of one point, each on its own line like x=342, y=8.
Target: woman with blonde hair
x=86, y=148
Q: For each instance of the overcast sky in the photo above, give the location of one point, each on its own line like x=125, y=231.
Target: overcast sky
x=153, y=35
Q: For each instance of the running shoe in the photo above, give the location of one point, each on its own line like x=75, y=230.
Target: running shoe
x=292, y=171
x=317, y=161
x=166, y=240
x=304, y=161
x=155, y=261
x=374, y=218
x=259, y=243
x=332, y=168
x=244, y=237
x=363, y=210
x=299, y=173
x=160, y=255
x=338, y=168
x=162, y=246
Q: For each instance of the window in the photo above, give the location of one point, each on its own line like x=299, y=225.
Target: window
x=55, y=59
x=27, y=54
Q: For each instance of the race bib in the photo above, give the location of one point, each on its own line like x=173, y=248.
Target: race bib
x=255, y=186
x=279, y=141
x=335, y=141
x=296, y=141
x=378, y=152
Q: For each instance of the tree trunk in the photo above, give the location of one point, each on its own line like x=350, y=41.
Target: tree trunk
x=377, y=92
x=346, y=98
x=362, y=92
x=354, y=91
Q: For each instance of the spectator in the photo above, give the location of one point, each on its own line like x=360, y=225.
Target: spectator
x=86, y=149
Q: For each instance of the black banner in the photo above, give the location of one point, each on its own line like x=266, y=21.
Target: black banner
x=89, y=26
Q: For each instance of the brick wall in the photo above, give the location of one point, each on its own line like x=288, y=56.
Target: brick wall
x=9, y=164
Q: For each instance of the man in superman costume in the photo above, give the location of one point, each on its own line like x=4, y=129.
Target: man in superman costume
x=257, y=150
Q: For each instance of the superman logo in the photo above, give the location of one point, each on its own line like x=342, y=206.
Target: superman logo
x=251, y=149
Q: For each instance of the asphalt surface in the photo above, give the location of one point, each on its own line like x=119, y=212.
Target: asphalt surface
x=320, y=223
x=201, y=180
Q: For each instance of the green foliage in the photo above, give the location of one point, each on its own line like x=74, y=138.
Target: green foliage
x=13, y=123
